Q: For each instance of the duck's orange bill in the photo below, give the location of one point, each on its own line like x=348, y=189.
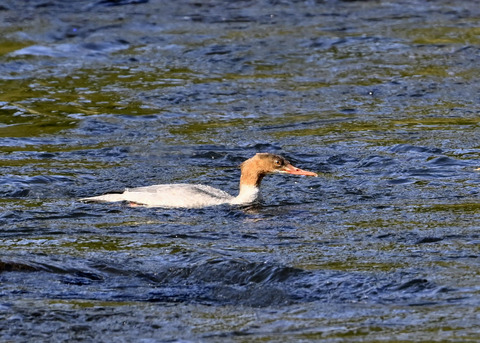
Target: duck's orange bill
x=297, y=171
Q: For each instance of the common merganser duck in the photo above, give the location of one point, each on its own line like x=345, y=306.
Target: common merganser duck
x=197, y=196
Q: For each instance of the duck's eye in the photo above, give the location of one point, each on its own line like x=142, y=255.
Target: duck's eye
x=278, y=162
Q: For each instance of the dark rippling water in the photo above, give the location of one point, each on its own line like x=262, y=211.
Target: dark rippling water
x=381, y=98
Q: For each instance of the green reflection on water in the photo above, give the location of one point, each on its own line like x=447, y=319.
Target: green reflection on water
x=445, y=35
x=7, y=47
x=48, y=106
x=461, y=208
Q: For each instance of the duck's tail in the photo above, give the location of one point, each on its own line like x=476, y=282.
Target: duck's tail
x=114, y=197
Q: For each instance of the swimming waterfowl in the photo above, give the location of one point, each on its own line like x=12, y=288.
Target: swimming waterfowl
x=198, y=196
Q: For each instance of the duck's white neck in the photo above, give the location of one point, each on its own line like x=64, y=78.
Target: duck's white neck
x=248, y=194
x=251, y=178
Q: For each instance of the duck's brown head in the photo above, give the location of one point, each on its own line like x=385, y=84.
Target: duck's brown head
x=255, y=168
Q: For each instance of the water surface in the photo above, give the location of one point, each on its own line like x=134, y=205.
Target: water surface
x=379, y=97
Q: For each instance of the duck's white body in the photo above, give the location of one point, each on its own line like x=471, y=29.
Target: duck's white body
x=180, y=195
x=197, y=196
